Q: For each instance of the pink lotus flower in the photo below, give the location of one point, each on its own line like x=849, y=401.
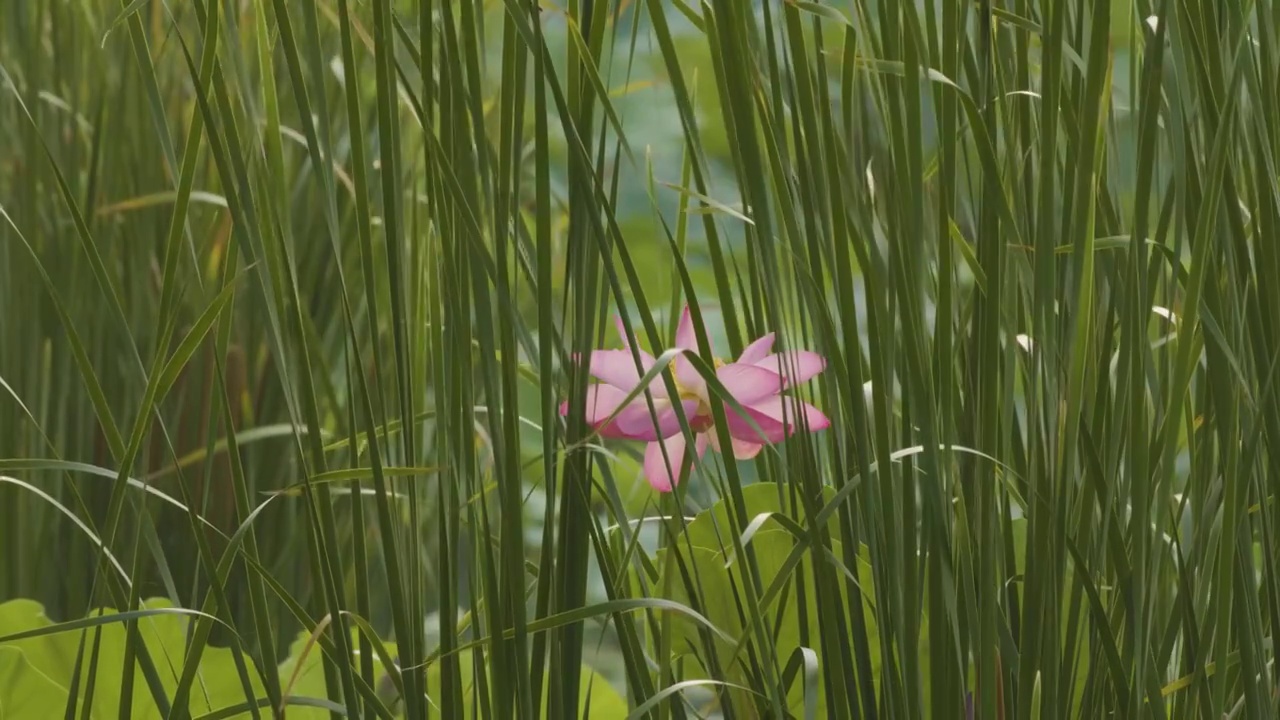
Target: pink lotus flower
x=756, y=382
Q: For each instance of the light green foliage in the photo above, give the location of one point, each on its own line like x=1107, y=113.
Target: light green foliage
x=714, y=570
x=596, y=693
x=24, y=690
x=36, y=672
x=39, y=669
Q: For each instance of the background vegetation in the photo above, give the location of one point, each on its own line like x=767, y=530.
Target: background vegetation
x=288, y=288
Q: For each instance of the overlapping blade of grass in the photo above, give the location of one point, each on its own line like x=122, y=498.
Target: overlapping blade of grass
x=160, y=380
x=164, y=377
x=259, y=229
x=1038, y=228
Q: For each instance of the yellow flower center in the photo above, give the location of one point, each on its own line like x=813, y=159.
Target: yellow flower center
x=701, y=418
